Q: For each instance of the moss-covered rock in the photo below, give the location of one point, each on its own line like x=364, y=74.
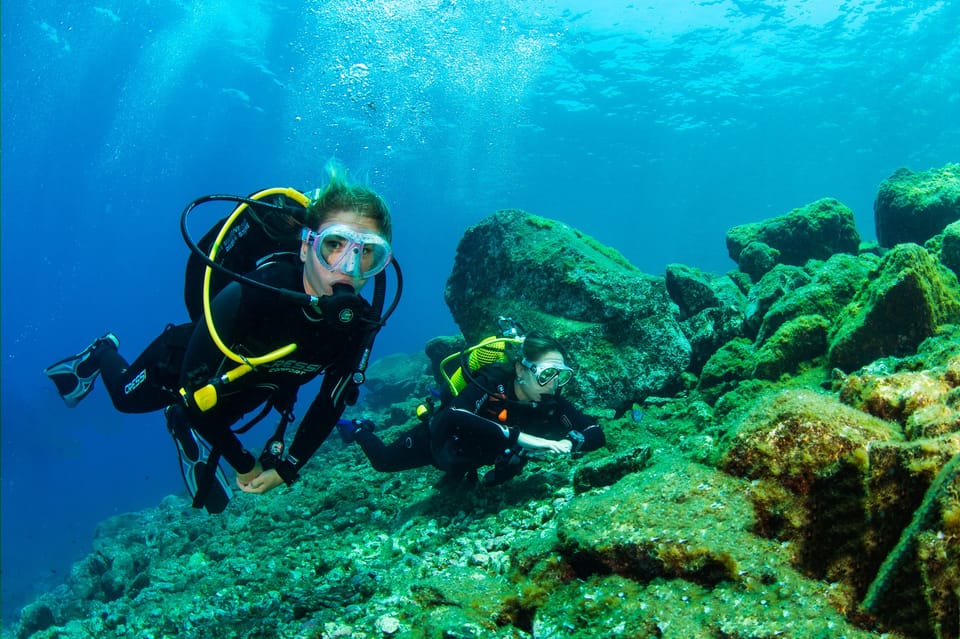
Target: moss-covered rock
x=799, y=437
x=946, y=247
x=711, y=310
x=911, y=497
x=757, y=258
x=690, y=288
x=708, y=330
x=618, y=322
x=815, y=231
x=610, y=470
x=654, y=565
x=915, y=206
x=780, y=282
x=832, y=285
x=909, y=299
x=900, y=396
x=842, y=487
x=797, y=341
x=732, y=362
x=950, y=248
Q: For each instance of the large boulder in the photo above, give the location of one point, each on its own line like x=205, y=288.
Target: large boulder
x=946, y=246
x=832, y=285
x=909, y=299
x=915, y=206
x=675, y=536
x=394, y=379
x=815, y=231
x=796, y=341
x=858, y=505
x=618, y=323
x=711, y=309
x=776, y=283
x=950, y=248
x=923, y=402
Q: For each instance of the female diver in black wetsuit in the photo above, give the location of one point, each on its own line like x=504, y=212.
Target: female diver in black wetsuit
x=344, y=242
x=505, y=413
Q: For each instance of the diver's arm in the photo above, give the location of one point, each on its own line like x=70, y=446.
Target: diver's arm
x=583, y=431
x=319, y=420
x=532, y=442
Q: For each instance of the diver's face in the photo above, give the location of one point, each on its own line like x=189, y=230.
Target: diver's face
x=318, y=279
x=532, y=390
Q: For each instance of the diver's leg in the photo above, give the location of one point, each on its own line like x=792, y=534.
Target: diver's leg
x=150, y=383
x=410, y=450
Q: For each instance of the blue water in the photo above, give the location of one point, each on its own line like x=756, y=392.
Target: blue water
x=653, y=126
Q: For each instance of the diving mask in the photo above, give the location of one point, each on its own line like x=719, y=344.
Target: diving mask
x=340, y=247
x=545, y=372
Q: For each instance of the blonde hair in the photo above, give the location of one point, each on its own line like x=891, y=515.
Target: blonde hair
x=341, y=194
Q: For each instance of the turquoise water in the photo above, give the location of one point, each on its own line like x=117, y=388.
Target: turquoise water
x=651, y=126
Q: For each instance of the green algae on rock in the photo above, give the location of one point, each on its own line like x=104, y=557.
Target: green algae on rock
x=815, y=231
x=913, y=206
x=908, y=300
x=618, y=323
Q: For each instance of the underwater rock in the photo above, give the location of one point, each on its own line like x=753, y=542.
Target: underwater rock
x=657, y=532
x=690, y=288
x=779, y=282
x=950, y=248
x=925, y=403
x=34, y=618
x=799, y=437
x=609, y=470
x=732, y=362
x=711, y=310
x=815, y=231
x=915, y=206
x=395, y=378
x=618, y=323
x=459, y=604
x=797, y=341
x=938, y=554
x=908, y=299
x=830, y=286
x=708, y=330
x=841, y=486
x=671, y=547
x=808, y=456
x=911, y=502
x=757, y=258
x=946, y=247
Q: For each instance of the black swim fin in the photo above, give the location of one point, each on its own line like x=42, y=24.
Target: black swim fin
x=74, y=375
x=199, y=464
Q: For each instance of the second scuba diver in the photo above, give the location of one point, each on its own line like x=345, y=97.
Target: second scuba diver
x=507, y=413
x=344, y=241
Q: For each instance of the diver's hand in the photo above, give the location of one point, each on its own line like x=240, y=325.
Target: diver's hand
x=265, y=481
x=560, y=446
x=244, y=479
x=557, y=446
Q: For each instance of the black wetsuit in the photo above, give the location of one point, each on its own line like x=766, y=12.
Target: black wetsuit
x=478, y=428
x=252, y=322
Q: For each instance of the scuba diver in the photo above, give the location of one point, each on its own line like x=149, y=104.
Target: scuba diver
x=299, y=303
x=506, y=413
